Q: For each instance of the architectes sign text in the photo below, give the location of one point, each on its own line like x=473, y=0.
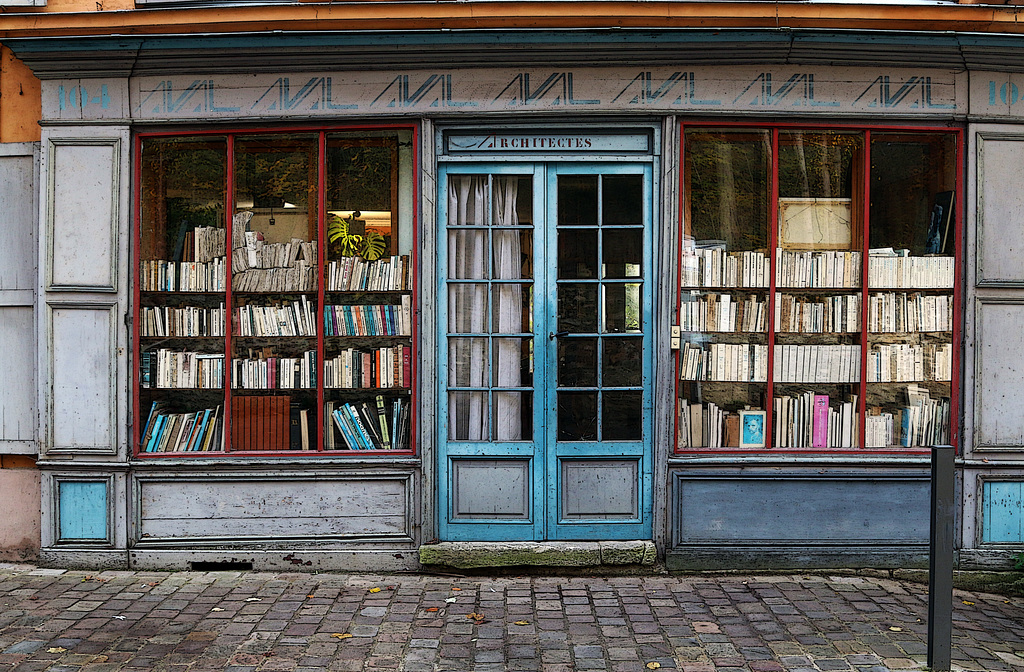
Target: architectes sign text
x=832, y=91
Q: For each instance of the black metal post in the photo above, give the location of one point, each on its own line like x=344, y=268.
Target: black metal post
x=940, y=561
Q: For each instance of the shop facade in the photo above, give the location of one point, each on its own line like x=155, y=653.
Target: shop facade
x=301, y=312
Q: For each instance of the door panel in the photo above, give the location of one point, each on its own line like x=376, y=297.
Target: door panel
x=544, y=367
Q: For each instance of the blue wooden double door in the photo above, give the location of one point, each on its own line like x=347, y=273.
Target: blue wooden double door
x=544, y=351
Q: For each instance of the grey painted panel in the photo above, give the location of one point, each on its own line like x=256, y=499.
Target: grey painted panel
x=998, y=368
x=490, y=489
x=1000, y=211
x=83, y=216
x=17, y=375
x=786, y=510
x=600, y=489
x=17, y=235
x=249, y=508
x=83, y=371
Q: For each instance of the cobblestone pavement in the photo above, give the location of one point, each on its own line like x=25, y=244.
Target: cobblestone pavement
x=70, y=621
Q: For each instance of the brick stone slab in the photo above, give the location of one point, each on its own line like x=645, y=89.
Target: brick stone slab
x=262, y=622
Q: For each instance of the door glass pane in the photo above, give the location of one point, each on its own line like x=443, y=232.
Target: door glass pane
x=577, y=253
x=622, y=197
x=577, y=200
x=622, y=362
x=467, y=258
x=513, y=416
x=577, y=416
x=512, y=306
x=513, y=362
x=467, y=416
x=622, y=415
x=577, y=362
x=622, y=309
x=622, y=253
x=467, y=308
x=577, y=307
x=467, y=362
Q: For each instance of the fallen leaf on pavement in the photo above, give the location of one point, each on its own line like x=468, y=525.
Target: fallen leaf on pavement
x=374, y=590
x=254, y=599
x=970, y=604
x=56, y=649
x=431, y=609
x=216, y=609
x=895, y=629
x=310, y=596
x=449, y=599
x=474, y=616
x=522, y=622
x=100, y=659
x=653, y=665
x=454, y=588
x=342, y=635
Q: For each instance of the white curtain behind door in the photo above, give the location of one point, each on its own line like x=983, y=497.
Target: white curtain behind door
x=468, y=361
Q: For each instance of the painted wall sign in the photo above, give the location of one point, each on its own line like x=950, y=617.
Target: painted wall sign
x=491, y=143
x=801, y=90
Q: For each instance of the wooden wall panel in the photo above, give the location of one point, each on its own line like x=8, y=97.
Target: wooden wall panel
x=1000, y=243
x=229, y=507
x=83, y=214
x=18, y=419
x=18, y=252
x=998, y=369
x=83, y=369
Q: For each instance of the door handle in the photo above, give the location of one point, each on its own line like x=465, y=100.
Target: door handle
x=552, y=335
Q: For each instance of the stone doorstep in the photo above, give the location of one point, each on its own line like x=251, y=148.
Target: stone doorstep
x=475, y=554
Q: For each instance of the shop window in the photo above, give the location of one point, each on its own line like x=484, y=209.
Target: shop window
x=817, y=287
x=275, y=293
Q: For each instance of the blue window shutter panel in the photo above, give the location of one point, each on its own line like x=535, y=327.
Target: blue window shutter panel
x=1004, y=512
x=83, y=510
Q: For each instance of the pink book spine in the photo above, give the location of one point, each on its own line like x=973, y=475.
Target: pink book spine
x=819, y=427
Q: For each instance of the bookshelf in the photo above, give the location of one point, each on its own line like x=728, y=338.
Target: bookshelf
x=817, y=285
x=278, y=320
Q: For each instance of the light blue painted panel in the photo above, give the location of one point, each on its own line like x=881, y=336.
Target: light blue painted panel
x=83, y=509
x=800, y=509
x=1003, y=512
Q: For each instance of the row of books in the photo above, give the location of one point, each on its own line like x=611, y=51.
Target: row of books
x=365, y=369
x=829, y=269
x=814, y=420
x=724, y=362
x=909, y=362
x=288, y=318
x=895, y=268
x=250, y=250
x=924, y=421
x=383, y=425
x=369, y=320
x=816, y=363
x=354, y=274
x=830, y=314
x=721, y=312
x=202, y=244
x=298, y=278
x=168, y=321
x=718, y=268
x=274, y=373
x=158, y=275
x=166, y=432
x=902, y=313
x=261, y=422
x=173, y=369
x=707, y=425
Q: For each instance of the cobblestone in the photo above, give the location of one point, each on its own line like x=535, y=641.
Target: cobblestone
x=73, y=621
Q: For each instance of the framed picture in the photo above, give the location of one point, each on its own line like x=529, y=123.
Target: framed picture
x=940, y=229
x=815, y=223
x=752, y=429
